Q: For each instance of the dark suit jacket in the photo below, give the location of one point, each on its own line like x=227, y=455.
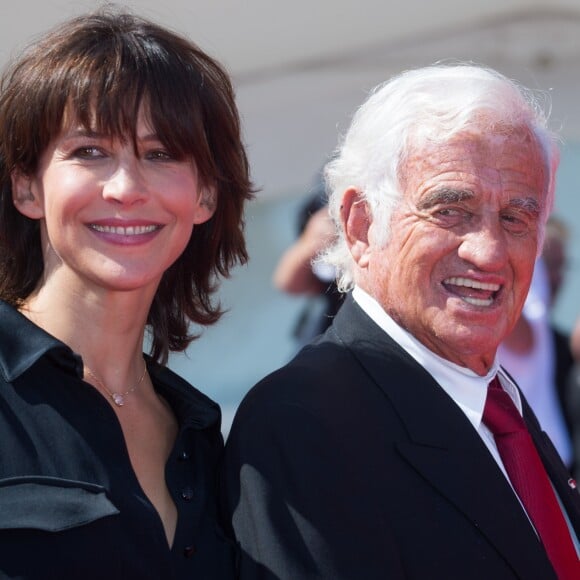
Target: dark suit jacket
x=352, y=463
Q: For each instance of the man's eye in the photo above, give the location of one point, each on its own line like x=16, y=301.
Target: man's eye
x=452, y=213
x=515, y=224
x=447, y=212
x=448, y=217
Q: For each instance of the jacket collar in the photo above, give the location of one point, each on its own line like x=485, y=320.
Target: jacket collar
x=388, y=363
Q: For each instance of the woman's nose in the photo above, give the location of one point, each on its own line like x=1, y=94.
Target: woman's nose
x=126, y=184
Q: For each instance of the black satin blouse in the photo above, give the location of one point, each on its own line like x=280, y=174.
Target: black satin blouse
x=70, y=504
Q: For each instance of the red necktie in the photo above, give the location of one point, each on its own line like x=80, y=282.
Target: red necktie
x=530, y=480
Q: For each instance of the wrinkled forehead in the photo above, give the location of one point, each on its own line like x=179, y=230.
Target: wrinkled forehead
x=501, y=153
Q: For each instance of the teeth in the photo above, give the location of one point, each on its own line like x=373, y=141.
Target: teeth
x=124, y=231
x=457, y=281
x=478, y=301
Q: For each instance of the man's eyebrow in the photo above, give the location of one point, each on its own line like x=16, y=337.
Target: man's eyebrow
x=528, y=204
x=444, y=196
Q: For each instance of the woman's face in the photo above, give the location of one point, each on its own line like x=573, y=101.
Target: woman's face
x=112, y=216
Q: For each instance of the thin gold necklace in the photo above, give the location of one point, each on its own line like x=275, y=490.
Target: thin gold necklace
x=118, y=398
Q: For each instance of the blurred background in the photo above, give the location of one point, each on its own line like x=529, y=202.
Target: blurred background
x=300, y=69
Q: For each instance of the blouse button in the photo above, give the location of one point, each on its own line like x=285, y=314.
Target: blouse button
x=187, y=494
x=183, y=456
x=188, y=551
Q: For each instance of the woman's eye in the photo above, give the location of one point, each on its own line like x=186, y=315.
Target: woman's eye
x=159, y=155
x=89, y=152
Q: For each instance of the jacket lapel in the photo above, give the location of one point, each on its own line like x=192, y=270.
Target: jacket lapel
x=443, y=445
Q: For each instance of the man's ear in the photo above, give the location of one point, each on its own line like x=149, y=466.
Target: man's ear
x=25, y=201
x=356, y=221
x=206, y=205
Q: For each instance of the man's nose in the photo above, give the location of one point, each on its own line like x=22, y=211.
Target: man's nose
x=485, y=246
x=126, y=184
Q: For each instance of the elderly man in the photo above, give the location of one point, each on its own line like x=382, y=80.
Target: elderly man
x=394, y=446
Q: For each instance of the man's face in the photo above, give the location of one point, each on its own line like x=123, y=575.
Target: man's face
x=456, y=269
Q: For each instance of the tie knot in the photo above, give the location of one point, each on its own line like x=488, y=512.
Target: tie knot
x=500, y=415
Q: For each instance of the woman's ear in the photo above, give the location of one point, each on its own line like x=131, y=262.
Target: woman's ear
x=356, y=221
x=206, y=205
x=25, y=201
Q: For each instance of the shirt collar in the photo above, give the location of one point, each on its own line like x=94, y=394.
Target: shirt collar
x=192, y=407
x=466, y=388
x=22, y=343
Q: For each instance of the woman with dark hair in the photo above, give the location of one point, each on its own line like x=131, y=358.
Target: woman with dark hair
x=122, y=185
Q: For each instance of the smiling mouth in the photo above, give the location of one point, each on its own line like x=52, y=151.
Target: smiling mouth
x=471, y=291
x=124, y=231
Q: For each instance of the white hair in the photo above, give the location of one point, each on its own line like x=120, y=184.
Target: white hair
x=430, y=104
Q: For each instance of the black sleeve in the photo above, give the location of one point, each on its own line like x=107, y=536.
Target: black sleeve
x=271, y=495
x=293, y=504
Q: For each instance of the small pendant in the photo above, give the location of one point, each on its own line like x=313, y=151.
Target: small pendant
x=119, y=399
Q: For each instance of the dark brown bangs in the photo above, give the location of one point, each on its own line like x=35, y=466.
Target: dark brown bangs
x=100, y=100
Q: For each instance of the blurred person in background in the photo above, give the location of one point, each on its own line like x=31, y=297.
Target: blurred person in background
x=300, y=273
x=536, y=353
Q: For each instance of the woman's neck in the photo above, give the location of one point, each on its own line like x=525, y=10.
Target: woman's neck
x=105, y=328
